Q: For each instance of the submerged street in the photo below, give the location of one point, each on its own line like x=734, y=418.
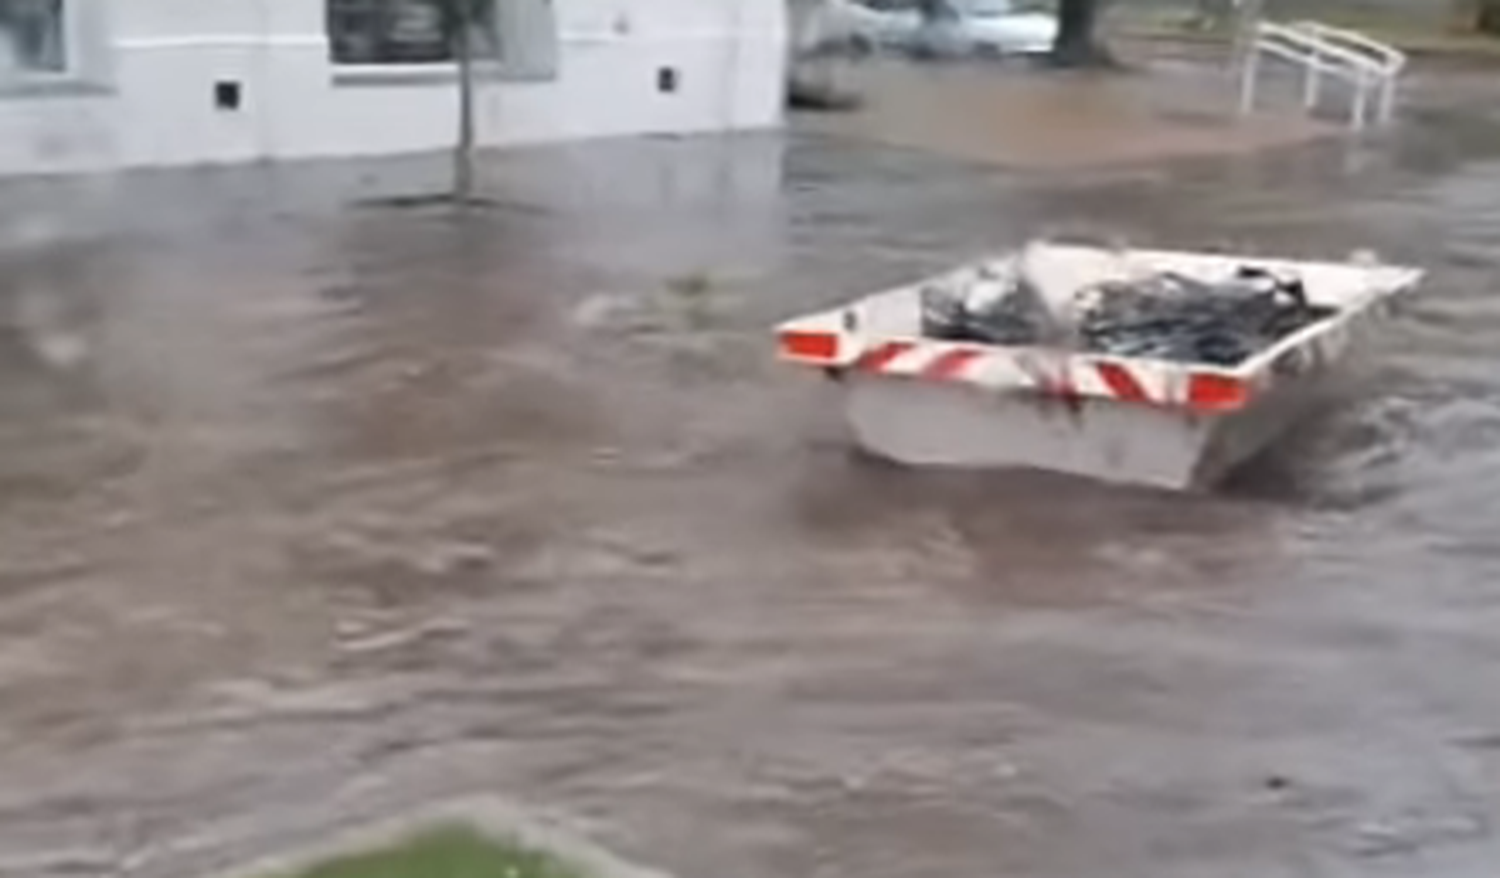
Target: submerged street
x=316, y=507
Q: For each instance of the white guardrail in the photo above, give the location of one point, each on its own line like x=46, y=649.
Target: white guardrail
x=1369, y=67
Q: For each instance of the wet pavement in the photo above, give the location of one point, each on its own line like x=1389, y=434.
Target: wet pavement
x=314, y=506
x=1165, y=108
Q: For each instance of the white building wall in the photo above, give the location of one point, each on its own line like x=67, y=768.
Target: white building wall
x=148, y=98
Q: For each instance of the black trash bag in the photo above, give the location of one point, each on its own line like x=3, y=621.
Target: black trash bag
x=995, y=307
x=1171, y=317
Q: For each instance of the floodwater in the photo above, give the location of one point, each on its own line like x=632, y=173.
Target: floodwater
x=1168, y=107
x=313, y=508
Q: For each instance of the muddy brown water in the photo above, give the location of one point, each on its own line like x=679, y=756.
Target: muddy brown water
x=310, y=506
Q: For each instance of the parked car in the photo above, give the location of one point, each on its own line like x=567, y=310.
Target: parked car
x=967, y=27
x=867, y=28
x=994, y=27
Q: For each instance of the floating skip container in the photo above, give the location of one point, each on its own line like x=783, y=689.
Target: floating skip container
x=1171, y=424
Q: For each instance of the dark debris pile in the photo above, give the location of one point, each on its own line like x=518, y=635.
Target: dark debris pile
x=998, y=307
x=1163, y=317
x=1170, y=317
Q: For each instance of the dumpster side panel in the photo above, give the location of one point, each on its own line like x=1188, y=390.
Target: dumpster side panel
x=1303, y=381
x=924, y=423
x=1238, y=437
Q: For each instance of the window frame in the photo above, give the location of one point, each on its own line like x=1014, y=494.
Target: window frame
x=71, y=33
x=438, y=68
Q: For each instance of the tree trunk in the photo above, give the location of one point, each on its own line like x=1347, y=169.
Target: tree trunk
x=1479, y=16
x=463, y=152
x=1487, y=17
x=1077, y=41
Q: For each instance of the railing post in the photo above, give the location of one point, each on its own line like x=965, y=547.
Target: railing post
x=1361, y=100
x=1310, y=82
x=1370, y=68
x=1248, y=72
x=1388, y=99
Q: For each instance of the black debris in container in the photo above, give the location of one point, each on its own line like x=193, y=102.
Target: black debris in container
x=993, y=306
x=1171, y=317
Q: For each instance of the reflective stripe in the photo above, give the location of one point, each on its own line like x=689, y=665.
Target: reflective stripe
x=818, y=347
x=1209, y=392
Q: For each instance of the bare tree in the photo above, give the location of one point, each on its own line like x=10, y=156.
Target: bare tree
x=463, y=18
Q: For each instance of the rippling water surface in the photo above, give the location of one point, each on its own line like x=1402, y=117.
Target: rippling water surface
x=311, y=507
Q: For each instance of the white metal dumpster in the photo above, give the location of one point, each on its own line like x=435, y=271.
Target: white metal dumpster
x=1168, y=424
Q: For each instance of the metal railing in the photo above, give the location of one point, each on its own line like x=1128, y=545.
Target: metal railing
x=1370, y=68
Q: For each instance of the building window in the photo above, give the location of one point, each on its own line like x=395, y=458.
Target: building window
x=406, y=31
x=33, y=38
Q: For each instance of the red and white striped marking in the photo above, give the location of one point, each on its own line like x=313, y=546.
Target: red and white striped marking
x=942, y=361
x=1053, y=373
x=1057, y=373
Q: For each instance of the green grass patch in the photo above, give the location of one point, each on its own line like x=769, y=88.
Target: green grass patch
x=446, y=852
